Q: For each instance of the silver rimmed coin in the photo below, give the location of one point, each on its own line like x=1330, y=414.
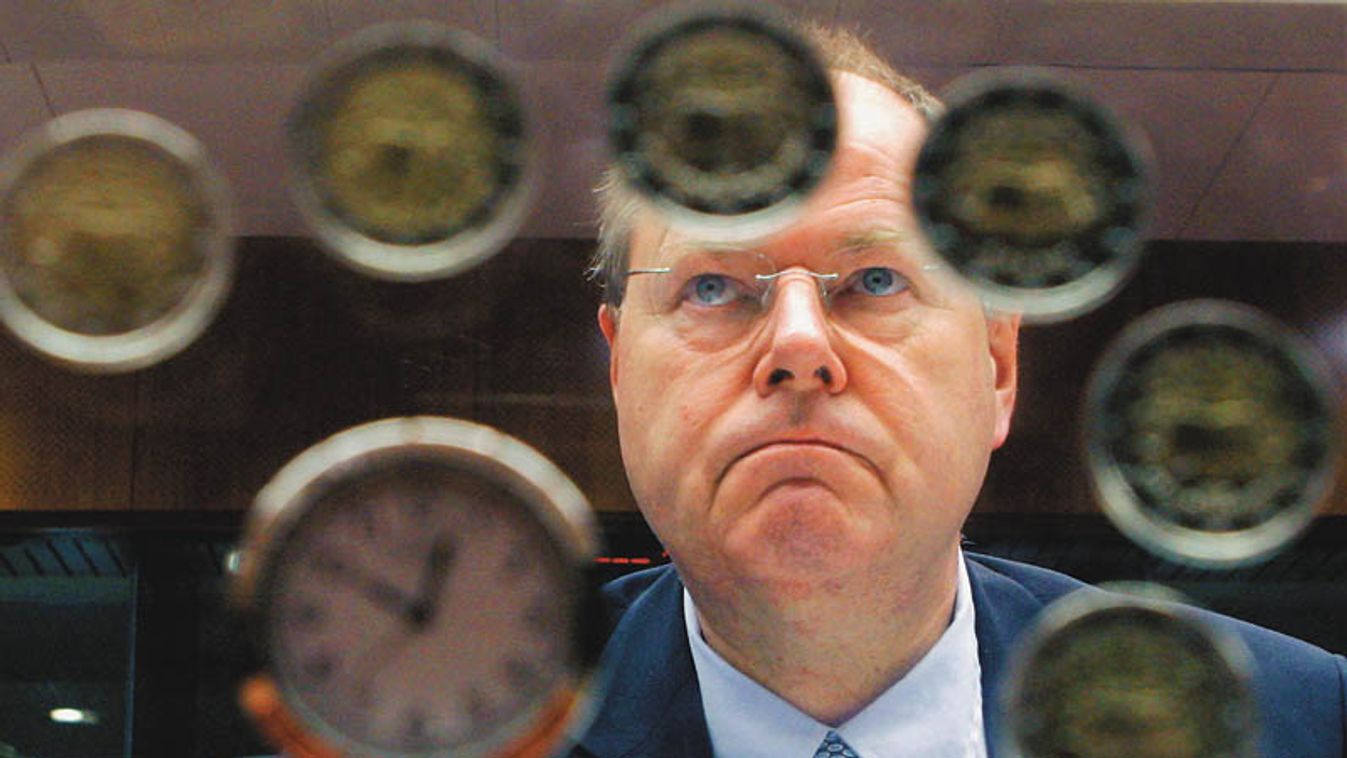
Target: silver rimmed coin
x=1034, y=192
x=1211, y=433
x=115, y=240
x=1102, y=676
x=416, y=588
x=723, y=117
x=412, y=152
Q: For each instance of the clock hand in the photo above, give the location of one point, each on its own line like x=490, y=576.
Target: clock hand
x=378, y=591
x=423, y=610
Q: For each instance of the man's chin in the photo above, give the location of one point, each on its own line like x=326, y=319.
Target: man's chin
x=796, y=532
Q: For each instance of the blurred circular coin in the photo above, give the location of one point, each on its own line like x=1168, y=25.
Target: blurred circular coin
x=723, y=117
x=1101, y=677
x=115, y=246
x=1211, y=433
x=1033, y=192
x=412, y=152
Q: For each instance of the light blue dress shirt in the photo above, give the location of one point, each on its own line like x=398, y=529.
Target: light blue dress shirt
x=935, y=711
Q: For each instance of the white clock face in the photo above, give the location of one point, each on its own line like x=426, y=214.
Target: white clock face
x=419, y=609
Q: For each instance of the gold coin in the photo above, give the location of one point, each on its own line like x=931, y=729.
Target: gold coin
x=1033, y=192
x=1130, y=681
x=1211, y=433
x=726, y=114
x=410, y=151
x=1027, y=175
x=721, y=114
x=102, y=235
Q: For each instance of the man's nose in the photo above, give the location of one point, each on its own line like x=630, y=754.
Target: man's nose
x=799, y=354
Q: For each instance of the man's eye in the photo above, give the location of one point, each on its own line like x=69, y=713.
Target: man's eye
x=711, y=289
x=878, y=281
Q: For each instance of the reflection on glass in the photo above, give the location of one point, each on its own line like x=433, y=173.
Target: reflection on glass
x=114, y=249
x=411, y=151
x=1212, y=433
x=1102, y=678
x=1033, y=192
x=721, y=113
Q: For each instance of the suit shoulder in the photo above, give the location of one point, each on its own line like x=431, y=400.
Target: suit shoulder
x=622, y=592
x=1044, y=584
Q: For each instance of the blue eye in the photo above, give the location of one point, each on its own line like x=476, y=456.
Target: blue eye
x=711, y=289
x=880, y=281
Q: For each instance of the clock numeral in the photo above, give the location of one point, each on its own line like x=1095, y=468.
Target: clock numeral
x=521, y=674
x=479, y=709
x=318, y=669
x=332, y=565
x=414, y=731
x=306, y=616
x=418, y=507
x=369, y=523
x=519, y=558
x=541, y=615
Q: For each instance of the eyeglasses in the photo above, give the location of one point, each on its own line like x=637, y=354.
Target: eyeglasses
x=713, y=299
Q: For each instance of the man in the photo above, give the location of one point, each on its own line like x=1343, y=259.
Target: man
x=806, y=422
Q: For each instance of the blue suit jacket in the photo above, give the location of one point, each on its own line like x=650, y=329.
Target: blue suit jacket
x=653, y=708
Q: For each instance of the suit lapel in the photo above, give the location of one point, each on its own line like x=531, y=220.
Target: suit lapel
x=1003, y=611
x=652, y=707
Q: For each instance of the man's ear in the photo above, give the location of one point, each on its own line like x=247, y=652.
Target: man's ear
x=608, y=325
x=1003, y=342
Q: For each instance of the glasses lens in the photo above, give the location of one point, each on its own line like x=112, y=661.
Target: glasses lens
x=711, y=297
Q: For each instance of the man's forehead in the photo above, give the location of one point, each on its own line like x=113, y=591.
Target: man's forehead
x=879, y=137
x=854, y=241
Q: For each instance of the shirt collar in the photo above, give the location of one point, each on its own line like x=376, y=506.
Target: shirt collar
x=935, y=710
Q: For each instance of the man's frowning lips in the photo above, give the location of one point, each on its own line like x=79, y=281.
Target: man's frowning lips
x=804, y=442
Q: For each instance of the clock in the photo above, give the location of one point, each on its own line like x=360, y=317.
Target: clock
x=417, y=588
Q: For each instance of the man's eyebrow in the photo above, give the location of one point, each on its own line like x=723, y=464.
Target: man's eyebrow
x=871, y=238
x=680, y=247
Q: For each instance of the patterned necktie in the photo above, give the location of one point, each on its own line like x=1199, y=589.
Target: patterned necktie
x=834, y=747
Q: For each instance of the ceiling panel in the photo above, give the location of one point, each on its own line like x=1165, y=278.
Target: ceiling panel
x=23, y=105
x=1189, y=73
x=1287, y=179
x=80, y=29
x=247, y=30
x=593, y=29
x=1189, y=120
x=475, y=16
x=926, y=33
x=236, y=110
x=1211, y=35
x=569, y=96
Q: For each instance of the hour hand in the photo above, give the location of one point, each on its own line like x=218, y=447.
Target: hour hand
x=377, y=591
x=438, y=563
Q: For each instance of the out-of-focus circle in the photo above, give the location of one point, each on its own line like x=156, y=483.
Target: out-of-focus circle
x=1034, y=192
x=723, y=117
x=1101, y=677
x=115, y=240
x=417, y=586
x=1211, y=433
x=412, y=154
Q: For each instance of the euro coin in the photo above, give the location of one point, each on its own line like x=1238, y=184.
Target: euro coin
x=1033, y=192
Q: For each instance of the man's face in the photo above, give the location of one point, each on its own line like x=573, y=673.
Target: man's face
x=811, y=444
